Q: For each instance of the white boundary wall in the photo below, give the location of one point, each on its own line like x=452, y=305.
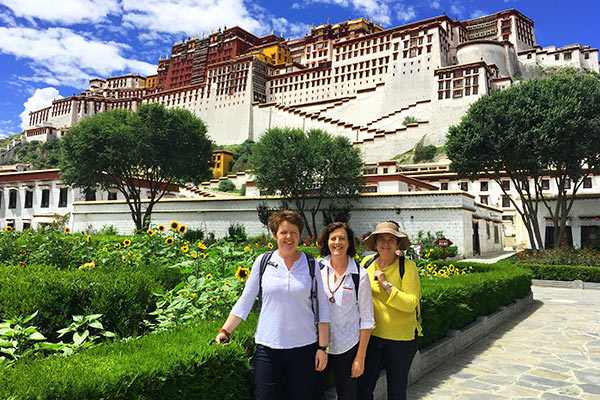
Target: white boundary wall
x=448, y=211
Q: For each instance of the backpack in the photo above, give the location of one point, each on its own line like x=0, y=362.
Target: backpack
x=355, y=278
x=420, y=311
x=266, y=260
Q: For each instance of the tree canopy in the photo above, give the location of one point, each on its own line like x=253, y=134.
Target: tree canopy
x=307, y=167
x=152, y=148
x=541, y=127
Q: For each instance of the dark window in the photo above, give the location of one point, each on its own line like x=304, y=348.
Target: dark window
x=587, y=183
x=444, y=186
x=26, y=225
x=62, y=198
x=45, y=198
x=385, y=170
x=484, y=187
x=464, y=186
x=567, y=184
x=90, y=195
x=484, y=199
x=12, y=199
x=28, y=199
x=505, y=201
x=496, y=234
x=508, y=218
x=545, y=184
x=506, y=185
x=525, y=185
x=112, y=195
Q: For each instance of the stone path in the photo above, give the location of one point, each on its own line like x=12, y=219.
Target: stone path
x=551, y=351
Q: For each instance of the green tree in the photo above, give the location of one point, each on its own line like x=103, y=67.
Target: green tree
x=153, y=148
x=308, y=168
x=540, y=127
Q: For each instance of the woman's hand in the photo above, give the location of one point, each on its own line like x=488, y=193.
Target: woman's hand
x=358, y=367
x=320, y=360
x=380, y=277
x=222, y=338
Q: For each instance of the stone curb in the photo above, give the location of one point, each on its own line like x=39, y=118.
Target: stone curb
x=451, y=345
x=577, y=284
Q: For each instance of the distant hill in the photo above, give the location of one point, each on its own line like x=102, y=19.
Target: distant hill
x=41, y=155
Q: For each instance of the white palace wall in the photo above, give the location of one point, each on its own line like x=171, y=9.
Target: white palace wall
x=450, y=212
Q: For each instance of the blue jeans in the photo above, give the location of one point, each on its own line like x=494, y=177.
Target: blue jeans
x=272, y=366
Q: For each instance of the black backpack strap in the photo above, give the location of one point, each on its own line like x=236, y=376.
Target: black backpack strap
x=263, y=267
x=370, y=261
x=314, y=300
x=356, y=280
x=401, y=265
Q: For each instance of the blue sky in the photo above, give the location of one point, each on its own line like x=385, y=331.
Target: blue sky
x=51, y=48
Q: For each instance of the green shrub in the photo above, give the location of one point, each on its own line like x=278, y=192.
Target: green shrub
x=177, y=364
x=226, y=186
x=193, y=235
x=424, y=153
x=237, y=232
x=563, y=255
x=563, y=272
x=124, y=296
x=409, y=120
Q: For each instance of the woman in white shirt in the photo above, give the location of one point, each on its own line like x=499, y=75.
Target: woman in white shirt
x=350, y=311
x=288, y=344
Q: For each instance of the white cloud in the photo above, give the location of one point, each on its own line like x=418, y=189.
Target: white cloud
x=456, y=11
x=40, y=99
x=406, y=14
x=63, y=11
x=63, y=57
x=289, y=29
x=478, y=13
x=189, y=16
x=435, y=5
x=379, y=10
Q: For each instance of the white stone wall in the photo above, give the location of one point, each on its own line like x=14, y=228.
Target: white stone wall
x=451, y=212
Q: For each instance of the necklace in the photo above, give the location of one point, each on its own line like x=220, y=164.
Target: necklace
x=331, y=299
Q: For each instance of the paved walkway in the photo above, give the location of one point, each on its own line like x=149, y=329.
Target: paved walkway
x=490, y=258
x=551, y=351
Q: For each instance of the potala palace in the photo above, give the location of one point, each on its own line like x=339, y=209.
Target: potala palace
x=352, y=78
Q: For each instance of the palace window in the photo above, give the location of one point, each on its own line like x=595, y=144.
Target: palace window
x=45, y=203
x=464, y=186
x=12, y=199
x=444, y=186
x=506, y=185
x=484, y=186
x=62, y=198
x=28, y=199
x=505, y=201
x=545, y=184
x=587, y=183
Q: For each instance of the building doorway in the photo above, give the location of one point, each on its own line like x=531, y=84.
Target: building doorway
x=566, y=239
x=589, y=235
x=476, y=247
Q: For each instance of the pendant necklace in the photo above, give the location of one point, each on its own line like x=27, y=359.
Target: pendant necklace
x=331, y=299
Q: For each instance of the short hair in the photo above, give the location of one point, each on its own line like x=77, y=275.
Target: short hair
x=286, y=215
x=323, y=239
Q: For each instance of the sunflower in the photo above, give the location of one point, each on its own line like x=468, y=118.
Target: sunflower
x=126, y=242
x=247, y=248
x=242, y=273
x=209, y=276
x=150, y=232
x=184, y=249
x=88, y=238
x=228, y=283
x=201, y=246
x=124, y=260
x=161, y=228
x=117, y=245
x=204, y=255
x=174, y=225
x=67, y=229
x=182, y=228
x=104, y=249
x=169, y=240
x=270, y=245
x=194, y=255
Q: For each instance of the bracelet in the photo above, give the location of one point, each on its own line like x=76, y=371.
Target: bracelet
x=222, y=330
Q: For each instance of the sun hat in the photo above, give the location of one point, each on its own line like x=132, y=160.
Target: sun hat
x=387, y=227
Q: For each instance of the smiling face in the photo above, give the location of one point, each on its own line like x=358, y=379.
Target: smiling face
x=338, y=242
x=287, y=237
x=386, y=244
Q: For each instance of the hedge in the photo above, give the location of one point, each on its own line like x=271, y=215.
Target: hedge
x=123, y=296
x=176, y=364
x=563, y=272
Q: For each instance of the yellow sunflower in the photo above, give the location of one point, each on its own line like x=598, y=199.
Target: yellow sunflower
x=150, y=232
x=117, y=245
x=227, y=283
x=247, y=248
x=88, y=238
x=204, y=255
x=126, y=242
x=174, y=225
x=184, y=249
x=124, y=260
x=169, y=241
x=209, y=276
x=182, y=228
x=161, y=228
x=67, y=229
x=201, y=246
x=270, y=245
x=194, y=255
x=104, y=249
x=242, y=273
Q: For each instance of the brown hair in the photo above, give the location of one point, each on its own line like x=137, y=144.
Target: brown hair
x=286, y=215
x=323, y=239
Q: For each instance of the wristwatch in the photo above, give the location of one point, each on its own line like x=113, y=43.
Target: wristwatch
x=324, y=348
x=387, y=286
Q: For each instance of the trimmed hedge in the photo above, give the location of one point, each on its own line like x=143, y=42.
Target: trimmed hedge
x=563, y=272
x=453, y=303
x=176, y=364
x=123, y=296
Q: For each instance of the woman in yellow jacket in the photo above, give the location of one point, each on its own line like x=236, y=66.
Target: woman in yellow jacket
x=396, y=298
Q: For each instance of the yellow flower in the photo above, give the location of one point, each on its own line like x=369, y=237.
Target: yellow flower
x=124, y=260
x=242, y=273
x=247, y=248
x=184, y=249
x=451, y=268
x=182, y=228
x=161, y=228
x=430, y=250
x=194, y=255
x=129, y=253
x=139, y=258
x=126, y=242
x=201, y=246
x=104, y=249
x=227, y=283
x=209, y=276
x=117, y=245
x=88, y=238
x=204, y=255
x=67, y=229
x=169, y=241
x=174, y=225
x=356, y=256
x=150, y=232
x=66, y=253
x=91, y=264
x=270, y=245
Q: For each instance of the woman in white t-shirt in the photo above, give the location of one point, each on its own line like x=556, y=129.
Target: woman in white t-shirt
x=350, y=310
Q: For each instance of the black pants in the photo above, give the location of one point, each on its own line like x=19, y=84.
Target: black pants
x=395, y=356
x=341, y=364
x=272, y=366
